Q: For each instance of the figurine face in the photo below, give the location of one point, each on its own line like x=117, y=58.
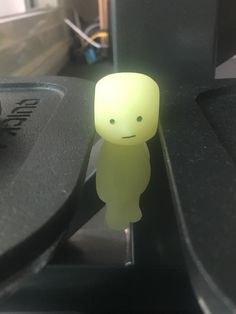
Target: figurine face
x=126, y=108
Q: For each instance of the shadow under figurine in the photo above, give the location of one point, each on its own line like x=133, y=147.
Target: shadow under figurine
x=126, y=116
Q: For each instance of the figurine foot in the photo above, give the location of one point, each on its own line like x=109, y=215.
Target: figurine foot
x=133, y=212
x=135, y=215
x=116, y=220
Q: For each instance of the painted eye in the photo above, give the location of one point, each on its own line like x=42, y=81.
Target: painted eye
x=139, y=118
x=112, y=121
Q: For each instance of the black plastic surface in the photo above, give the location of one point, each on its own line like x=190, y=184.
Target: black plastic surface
x=172, y=40
x=175, y=42
x=219, y=106
x=105, y=290
x=226, y=28
x=156, y=283
x=199, y=154
x=45, y=138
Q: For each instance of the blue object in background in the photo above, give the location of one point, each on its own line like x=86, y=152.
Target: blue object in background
x=90, y=56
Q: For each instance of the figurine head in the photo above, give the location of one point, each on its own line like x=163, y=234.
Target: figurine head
x=126, y=108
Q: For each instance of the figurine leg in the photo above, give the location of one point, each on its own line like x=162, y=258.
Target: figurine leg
x=116, y=217
x=134, y=213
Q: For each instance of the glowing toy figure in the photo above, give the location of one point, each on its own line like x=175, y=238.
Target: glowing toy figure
x=126, y=116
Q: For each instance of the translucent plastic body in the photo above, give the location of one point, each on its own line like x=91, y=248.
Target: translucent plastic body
x=126, y=116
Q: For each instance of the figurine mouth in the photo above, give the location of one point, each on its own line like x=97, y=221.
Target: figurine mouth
x=129, y=136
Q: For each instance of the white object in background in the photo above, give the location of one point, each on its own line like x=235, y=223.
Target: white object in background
x=83, y=35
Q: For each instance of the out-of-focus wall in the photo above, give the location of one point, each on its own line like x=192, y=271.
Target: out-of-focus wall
x=34, y=44
x=38, y=43
x=87, y=9
x=8, y=8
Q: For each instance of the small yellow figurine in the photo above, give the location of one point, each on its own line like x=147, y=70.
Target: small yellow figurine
x=126, y=116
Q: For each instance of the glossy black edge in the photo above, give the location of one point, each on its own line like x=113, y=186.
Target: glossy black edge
x=17, y=280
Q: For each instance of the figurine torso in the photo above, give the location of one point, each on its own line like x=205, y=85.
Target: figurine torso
x=123, y=172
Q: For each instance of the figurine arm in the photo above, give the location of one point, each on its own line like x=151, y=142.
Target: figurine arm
x=104, y=174
x=147, y=151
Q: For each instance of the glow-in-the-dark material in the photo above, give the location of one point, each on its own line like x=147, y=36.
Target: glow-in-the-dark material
x=126, y=116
